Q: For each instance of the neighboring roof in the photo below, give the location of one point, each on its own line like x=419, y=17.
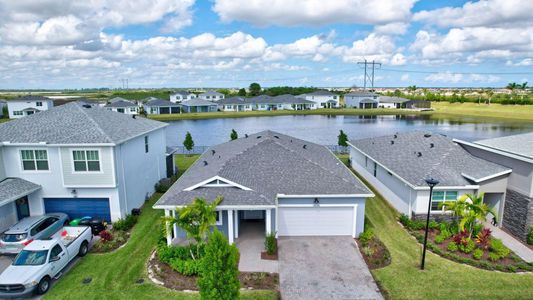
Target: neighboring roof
x=31, y=109
x=267, y=164
x=12, y=189
x=280, y=99
x=518, y=144
x=197, y=102
x=73, y=123
x=183, y=93
x=387, y=99
x=361, y=94
x=232, y=100
x=411, y=156
x=161, y=102
x=321, y=93
x=211, y=93
x=31, y=98
x=119, y=102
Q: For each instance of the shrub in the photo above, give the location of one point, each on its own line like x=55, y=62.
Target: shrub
x=493, y=256
x=439, y=239
x=366, y=236
x=433, y=224
x=404, y=219
x=416, y=225
x=368, y=251
x=186, y=267
x=530, y=236
x=478, y=254
x=512, y=268
x=271, y=245
x=483, y=238
x=476, y=229
x=163, y=185
x=452, y=246
x=468, y=247
x=219, y=275
x=179, y=258
x=462, y=238
x=106, y=236
x=445, y=233
x=497, y=247
x=126, y=223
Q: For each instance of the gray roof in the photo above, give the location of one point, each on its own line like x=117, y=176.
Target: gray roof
x=161, y=102
x=387, y=99
x=197, y=102
x=321, y=93
x=268, y=163
x=232, y=100
x=183, y=93
x=361, y=94
x=31, y=98
x=73, y=123
x=280, y=99
x=14, y=188
x=119, y=102
x=211, y=93
x=445, y=161
x=519, y=144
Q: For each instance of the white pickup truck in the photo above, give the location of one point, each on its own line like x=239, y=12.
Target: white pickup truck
x=40, y=261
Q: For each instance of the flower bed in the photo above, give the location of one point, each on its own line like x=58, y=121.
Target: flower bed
x=113, y=239
x=478, y=249
x=374, y=252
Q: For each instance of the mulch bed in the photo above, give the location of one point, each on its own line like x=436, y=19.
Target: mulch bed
x=380, y=254
x=119, y=240
x=176, y=281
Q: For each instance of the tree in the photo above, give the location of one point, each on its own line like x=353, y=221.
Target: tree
x=234, y=135
x=255, y=89
x=242, y=92
x=219, y=273
x=412, y=88
x=343, y=139
x=512, y=86
x=523, y=86
x=469, y=208
x=188, y=143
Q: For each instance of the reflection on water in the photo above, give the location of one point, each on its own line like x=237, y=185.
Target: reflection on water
x=323, y=129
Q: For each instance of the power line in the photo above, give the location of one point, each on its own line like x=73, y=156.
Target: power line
x=369, y=77
x=462, y=73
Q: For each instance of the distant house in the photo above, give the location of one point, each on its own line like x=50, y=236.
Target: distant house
x=514, y=152
x=211, y=96
x=323, y=99
x=180, y=96
x=122, y=105
x=286, y=102
x=361, y=100
x=392, y=102
x=28, y=105
x=3, y=103
x=161, y=107
x=234, y=104
x=198, y=105
x=398, y=165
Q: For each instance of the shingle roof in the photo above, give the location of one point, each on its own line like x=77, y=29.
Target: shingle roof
x=361, y=94
x=321, y=93
x=161, y=102
x=233, y=100
x=519, y=144
x=280, y=99
x=268, y=163
x=72, y=123
x=197, y=102
x=14, y=188
x=183, y=93
x=387, y=99
x=119, y=102
x=212, y=93
x=411, y=156
x=31, y=98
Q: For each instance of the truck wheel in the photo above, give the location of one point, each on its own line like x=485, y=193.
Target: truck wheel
x=43, y=286
x=84, y=248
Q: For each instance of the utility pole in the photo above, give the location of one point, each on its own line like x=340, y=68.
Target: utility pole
x=369, y=76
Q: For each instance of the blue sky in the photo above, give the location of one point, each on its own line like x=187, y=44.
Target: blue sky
x=230, y=43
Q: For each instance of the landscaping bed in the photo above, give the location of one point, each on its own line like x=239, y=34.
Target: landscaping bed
x=478, y=249
x=271, y=247
x=116, y=237
x=374, y=252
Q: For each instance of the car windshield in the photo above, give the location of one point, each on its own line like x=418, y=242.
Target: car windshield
x=30, y=258
x=13, y=238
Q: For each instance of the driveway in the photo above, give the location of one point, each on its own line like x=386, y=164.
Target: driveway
x=324, y=268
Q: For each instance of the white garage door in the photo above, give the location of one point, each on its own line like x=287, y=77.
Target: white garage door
x=297, y=221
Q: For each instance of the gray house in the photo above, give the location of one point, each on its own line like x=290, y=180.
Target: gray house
x=211, y=96
x=514, y=152
x=293, y=187
x=161, y=107
x=361, y=100
x=397, y=165
x=122, y=105
x=198, y=105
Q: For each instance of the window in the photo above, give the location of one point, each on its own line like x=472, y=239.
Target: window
x=133, y=109
x=86, y=160
x=38, y=103
x=17, y=113
x=375, y=169
x=219, y=217
x=55, y=251
x=439, y=197
x=34, y=160
x=146, y=147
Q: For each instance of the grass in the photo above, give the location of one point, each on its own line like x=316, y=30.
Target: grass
x=114, y=275
x=442, y=279
x=493, y=111
x=184, y=161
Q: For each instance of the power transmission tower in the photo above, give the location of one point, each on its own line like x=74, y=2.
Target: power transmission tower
x=369, y=76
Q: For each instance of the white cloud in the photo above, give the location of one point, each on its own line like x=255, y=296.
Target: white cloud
x=314, y=12
x=405, y=77
x=484, y=78
x=392, y=28
x=446, y=77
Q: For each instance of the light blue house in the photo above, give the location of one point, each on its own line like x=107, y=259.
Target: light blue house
x=291, y=186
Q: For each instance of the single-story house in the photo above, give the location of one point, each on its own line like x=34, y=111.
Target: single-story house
x=286, y=101
x=211, y=96
x=361, y=100
x=122, y=105
x=294, y=187
x=28, y=105
x=161, y=107
x=234, y=104
x=514, y=152
x=392, y=102
x=398, y=165
x=198, y=105
x=180, y=96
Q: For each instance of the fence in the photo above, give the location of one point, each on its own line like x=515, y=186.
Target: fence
x=201, y=149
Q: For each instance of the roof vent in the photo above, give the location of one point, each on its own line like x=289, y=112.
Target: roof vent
x=276, y=136
x=86, y=106
x=427, y=135
x=133, y=116
x=419, y=154
x=258, y=136
x=291, y=140
x=431, y=145
x=395, y=136
x=246, y=135
x=392, y=142
x=304, y=146
x=213, y=152
x=205, y=162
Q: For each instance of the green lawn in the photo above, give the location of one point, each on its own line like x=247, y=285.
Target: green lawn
x=442, y=279
x=114, y=275
x=483, y=111
x=184, y=161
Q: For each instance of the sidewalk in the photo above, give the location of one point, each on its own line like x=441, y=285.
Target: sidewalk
x=512, y=243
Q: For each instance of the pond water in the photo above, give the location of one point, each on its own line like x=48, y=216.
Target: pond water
x=324, y=129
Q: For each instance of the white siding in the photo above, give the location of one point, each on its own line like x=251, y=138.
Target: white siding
x=21, y=105
x=104, y=178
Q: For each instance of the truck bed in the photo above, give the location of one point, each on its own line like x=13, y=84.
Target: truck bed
x=69, y=234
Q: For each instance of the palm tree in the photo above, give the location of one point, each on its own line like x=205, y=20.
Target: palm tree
x=470, y=208
x=512, y=86
x=523, y=86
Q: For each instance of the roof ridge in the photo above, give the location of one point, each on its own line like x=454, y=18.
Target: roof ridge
x=94, y=122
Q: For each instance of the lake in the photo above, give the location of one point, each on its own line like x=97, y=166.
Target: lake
x=324, y=129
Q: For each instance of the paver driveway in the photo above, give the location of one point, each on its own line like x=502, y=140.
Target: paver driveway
x=324, y=268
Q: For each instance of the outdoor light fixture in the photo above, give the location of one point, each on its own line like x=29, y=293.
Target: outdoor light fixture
x=431, y=182
x=316, y=202
x=74, y=193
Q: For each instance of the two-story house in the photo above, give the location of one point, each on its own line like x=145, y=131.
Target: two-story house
x=80, y=160
x=211, y=96
x=323, y=99
x=361, y=100
x=122, y=106
x=181, y=96
x=28, y=105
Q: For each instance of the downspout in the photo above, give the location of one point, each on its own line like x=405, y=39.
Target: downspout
x=124, y=180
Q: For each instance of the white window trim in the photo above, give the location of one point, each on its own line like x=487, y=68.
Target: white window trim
x=443, y=200
x=85, y=172
x=33, y=171
x=220, y=218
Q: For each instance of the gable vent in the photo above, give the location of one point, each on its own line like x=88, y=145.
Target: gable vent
x=431, y=145
x=205, y=162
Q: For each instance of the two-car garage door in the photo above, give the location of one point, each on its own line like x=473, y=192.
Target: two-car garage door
x=79, y=207
x=316, y=220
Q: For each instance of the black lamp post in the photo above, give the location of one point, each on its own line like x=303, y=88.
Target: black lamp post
x=431, y=183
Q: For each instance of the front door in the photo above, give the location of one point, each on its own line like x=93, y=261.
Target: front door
x=23, y=208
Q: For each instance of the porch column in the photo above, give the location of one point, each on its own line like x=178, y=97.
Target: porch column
x=175, y=226
x=268, y=221
x=169, y=237
x=230, y=226
x=236, y=224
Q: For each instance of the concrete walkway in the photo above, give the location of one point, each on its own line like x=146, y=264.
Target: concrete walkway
x=512, y=243
x=324, y=268
x=251, y=243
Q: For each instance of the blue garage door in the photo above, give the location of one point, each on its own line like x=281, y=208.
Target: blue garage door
x=79, y=207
